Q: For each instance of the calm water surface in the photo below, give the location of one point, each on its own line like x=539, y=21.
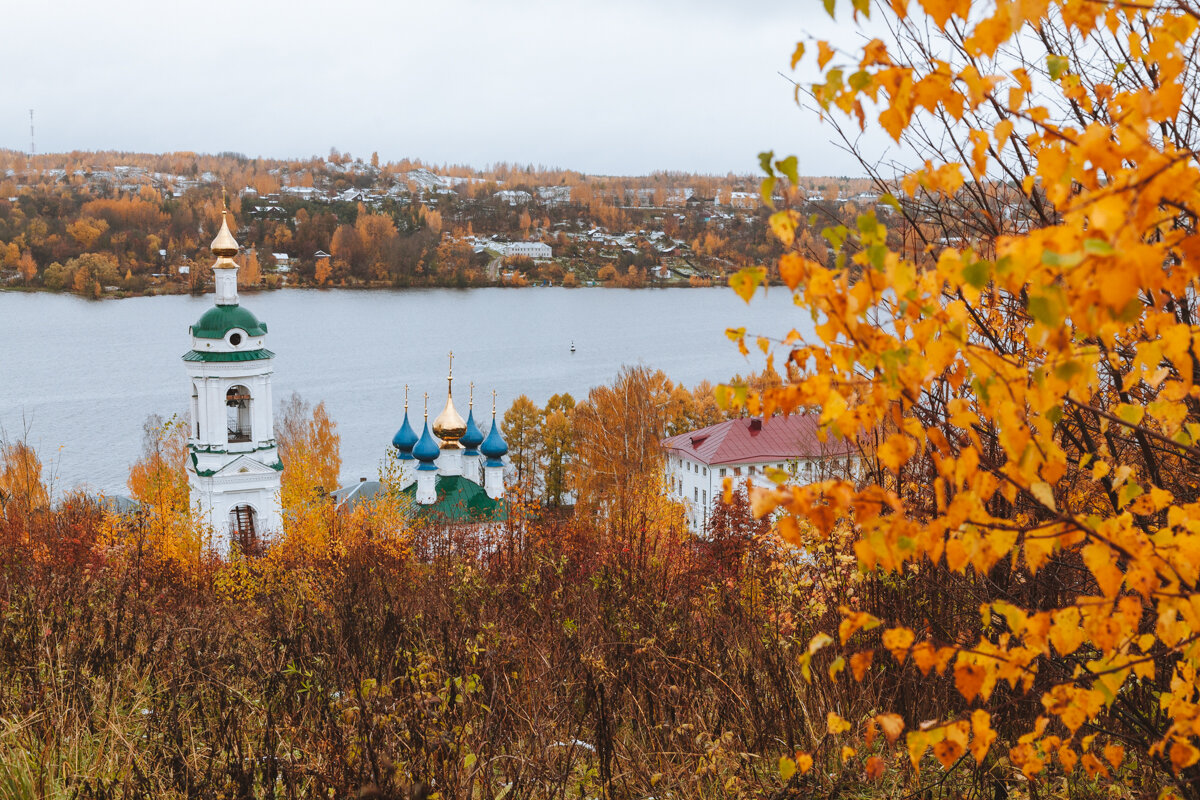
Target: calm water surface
x=81, y=376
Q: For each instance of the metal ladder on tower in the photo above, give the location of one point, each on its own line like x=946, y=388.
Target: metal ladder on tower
x=246, y=536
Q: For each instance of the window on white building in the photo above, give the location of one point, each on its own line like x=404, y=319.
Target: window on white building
x=696, y=495
x=722, y=472
x=237, y=401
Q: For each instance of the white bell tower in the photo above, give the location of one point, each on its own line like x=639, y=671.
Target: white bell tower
x=233, y=466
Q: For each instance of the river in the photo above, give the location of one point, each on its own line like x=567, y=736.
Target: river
x=79, y=377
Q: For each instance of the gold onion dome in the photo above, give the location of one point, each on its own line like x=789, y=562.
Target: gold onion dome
x=224, y=246
x=449, y=425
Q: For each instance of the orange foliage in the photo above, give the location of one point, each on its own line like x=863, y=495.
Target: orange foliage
x=1032, y=393
x=158, y=481
x=309, y=449
x=250, y=274
x=126, y=213
x=22, y=491
x=617, y=431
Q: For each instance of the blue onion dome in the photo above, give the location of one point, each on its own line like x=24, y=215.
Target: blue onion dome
x=494, y=446
x=473, y=437
x=404, y=440
x=427, y=450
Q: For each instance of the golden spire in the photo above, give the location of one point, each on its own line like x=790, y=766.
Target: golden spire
x=224, y=246
x=406, y=399
x=471, y=400
x=427, y=406
x=493, y=402
x=449, y=425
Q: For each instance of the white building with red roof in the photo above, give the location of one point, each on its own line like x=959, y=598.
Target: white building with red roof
x=745, y=449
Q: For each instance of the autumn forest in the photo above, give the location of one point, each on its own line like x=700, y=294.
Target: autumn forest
x=1001, y=601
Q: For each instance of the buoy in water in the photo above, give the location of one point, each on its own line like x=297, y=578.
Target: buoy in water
x=572, y=347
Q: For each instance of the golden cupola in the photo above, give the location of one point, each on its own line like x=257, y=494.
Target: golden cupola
x=224, y=246
x=225, y=270
x=449, y=425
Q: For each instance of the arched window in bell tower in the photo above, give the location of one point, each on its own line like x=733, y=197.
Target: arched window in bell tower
x=237, y=403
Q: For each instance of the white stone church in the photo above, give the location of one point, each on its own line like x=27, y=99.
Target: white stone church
x=450, y=474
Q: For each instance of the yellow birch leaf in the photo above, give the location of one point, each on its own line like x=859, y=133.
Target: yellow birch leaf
x=918, y=743
x=797, y=54
x=1100, y=559
x=968, y=679
x=783, y=224
x=897, y=641
x=950, y=749
x=1093, y=766
x=983, y=735
x=1038, y=550
x=892, y=726
x=824, y=54
x=896, y=451
x=1183, y=755
x=860, y=663
x=785, y=526
x=1044, y=494
x=792, y=269
x=852, y=622
x=1003, y=131
x=1065, y=633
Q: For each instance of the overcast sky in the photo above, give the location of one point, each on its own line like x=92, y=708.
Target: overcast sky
x=602, y=86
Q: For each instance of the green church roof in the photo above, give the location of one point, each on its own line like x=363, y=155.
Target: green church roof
x=458, y=500
x=244, y=355
x=220, y=320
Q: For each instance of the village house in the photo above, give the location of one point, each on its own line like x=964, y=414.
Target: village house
x=535, y=250
x=747, y=449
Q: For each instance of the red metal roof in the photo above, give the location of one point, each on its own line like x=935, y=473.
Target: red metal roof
x=750, y=439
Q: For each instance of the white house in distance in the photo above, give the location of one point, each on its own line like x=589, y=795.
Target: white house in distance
x=233, y=465
x=528, y=249
x=699, y=461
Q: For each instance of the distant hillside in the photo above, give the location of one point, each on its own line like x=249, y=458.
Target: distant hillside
x=128, y=223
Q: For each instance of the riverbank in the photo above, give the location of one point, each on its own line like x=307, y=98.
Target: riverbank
x=172, y=289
